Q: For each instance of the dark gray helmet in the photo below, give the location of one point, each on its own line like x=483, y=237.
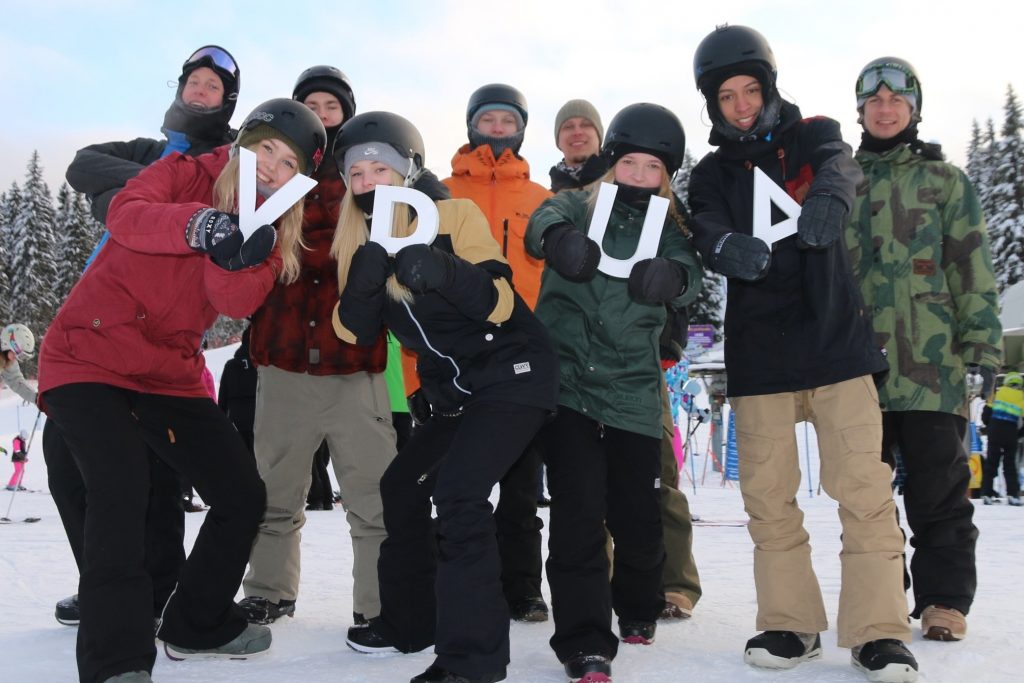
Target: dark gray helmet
x=295, y=122
x=380, y=126
x=896, y=74
x=649, y=128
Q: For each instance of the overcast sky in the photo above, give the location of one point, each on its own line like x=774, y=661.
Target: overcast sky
x=77, y=72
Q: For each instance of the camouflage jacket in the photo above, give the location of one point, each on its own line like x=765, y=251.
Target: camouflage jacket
x=919, y=249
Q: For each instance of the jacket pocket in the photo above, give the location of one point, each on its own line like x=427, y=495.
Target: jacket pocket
x=753, y=447
x=113, y=337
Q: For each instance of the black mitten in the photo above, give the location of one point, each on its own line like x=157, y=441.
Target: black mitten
x=656, y=281
x=369, y=270
x=423, y=268
x=822, y=218
x=253, y=251
x=572, y=254
x=214, y=232
x=741, y=256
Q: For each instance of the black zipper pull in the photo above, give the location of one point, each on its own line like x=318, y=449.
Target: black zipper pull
x=504, y=241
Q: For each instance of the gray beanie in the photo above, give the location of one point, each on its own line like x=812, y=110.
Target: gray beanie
x=377, y=151
x=581, y=108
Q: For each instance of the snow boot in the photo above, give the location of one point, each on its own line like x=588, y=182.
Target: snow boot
x=365, y=638
x=992, y=500
x=677, y=606
x=939, y=622
x=254, y=640
x=259, y=610
x=637, y=632
x=530, y=610
x=885, y=661
x=1015, y=501
x=583, y=668
x=782, y=649
x=66, y=611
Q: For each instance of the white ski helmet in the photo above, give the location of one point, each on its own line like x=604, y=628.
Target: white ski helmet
x=18, y=338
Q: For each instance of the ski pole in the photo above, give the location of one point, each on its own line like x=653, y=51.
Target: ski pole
x=807, y=456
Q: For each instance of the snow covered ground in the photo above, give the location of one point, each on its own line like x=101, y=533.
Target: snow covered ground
x=37, y=569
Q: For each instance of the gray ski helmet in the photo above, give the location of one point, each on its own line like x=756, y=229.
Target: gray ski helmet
x=329, y=79
x=649, y=128
x=896, y=74
x=496, y=93
x=381, y=126
x=726, y=48
x=294, y=123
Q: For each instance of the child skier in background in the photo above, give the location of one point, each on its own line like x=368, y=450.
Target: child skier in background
x=17, y=343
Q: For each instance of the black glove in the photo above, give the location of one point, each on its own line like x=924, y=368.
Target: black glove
x=656, y=281
x=988, y=378
x=253, y=251
x=214, y=232
x=419, y=407
x=422, y=268
x=369, y=270
x=572, y=254
x=741, y=256
x=822, y=218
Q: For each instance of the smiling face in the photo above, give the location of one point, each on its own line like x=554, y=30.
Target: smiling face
x=638, y=169
x=204, y=89
x=740, y=101
x=366, y=174
x=577, y=140
x=886, y=114
x=276, y=163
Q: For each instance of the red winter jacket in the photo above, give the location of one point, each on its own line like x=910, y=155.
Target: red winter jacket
x=136, y=318
x=292, y=329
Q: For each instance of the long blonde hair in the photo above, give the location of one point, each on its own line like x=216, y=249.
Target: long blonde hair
x=289, y=232
x=665, y=190
x=352, y=232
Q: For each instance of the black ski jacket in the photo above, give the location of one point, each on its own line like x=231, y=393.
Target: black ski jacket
x=100, y=171
x=803, y=325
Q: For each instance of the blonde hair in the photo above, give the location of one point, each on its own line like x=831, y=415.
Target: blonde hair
x=289, y=231
x=665, y=190
x=352, y=232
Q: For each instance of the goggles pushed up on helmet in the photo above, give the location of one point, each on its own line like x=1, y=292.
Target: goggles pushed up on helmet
x=893, y=76
x=218, y=56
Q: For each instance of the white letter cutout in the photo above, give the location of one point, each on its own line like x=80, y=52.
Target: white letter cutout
x=384, y=200
x=650, y=233
x=766, y=192
x=249, y=217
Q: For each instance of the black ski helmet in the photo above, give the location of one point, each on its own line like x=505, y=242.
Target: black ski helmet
x=297, y=126
x=889, y=71
x=223, y=64
x=729, y=46
x=496, y=93
x=732, y=51
x=380, y=126
x=329, y=79
x=649, y=128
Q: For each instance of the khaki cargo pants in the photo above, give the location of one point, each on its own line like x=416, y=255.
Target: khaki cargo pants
x=846, y=418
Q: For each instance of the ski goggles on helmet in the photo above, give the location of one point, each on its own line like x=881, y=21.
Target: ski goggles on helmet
x=893, y=76
x=218, y=56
